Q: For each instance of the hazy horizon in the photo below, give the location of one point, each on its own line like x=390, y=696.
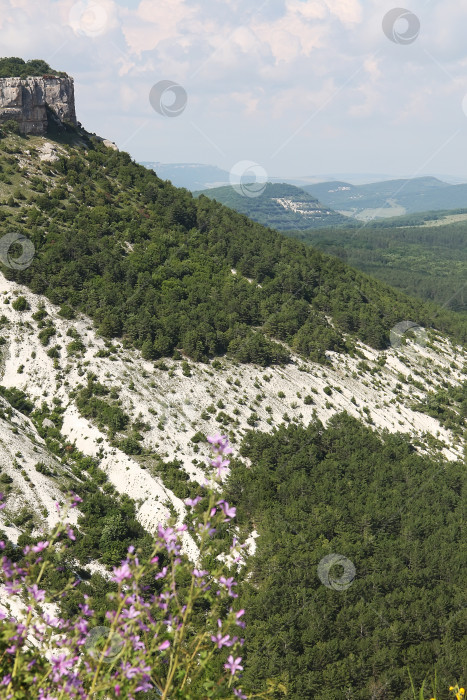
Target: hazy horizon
x=296, y=86
x=352, y=177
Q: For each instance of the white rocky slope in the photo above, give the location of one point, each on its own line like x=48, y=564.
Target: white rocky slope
x=176, y=406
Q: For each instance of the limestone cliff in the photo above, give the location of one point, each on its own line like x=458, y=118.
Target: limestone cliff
x=33, y=102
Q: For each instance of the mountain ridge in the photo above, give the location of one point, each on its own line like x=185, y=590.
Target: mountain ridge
x=390, y=198
x=136, y=322
x=123, y=233
x=281, y=206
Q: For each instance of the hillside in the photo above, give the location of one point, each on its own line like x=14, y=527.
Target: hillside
x=390, y=198
x=155, y=457
x=426, y=261
x=145, y=320
x=151, y=264
x=279, y=206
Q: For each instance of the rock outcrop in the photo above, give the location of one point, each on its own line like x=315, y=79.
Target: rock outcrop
x=35, y=102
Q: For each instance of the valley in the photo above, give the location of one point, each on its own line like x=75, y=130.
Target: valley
x=232, y=428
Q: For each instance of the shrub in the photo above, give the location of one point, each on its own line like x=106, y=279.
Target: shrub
x=46, y=334
x=20, y=304
x=150, y=643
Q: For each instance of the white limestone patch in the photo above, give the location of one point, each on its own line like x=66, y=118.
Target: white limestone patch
x=49, y=152
x=378, y=388
x=21, y=448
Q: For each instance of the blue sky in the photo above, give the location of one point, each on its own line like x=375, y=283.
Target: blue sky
x=300, y=87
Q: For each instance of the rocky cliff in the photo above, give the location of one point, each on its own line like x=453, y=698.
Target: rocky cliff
x=34, y=102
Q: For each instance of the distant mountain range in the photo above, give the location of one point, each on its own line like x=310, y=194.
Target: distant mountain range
x=350, y=197
x=192, y=176
x=390, y=198
x=196, y=176
x=280, y=206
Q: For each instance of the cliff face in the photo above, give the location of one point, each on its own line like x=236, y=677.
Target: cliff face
x=26, y=101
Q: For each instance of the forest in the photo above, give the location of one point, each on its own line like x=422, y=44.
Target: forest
x=265, y=208
x=149, y=263
x=392, y=520
x=398, y=517
x=425, y=262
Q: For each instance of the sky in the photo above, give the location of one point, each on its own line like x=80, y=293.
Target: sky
x=299, y=87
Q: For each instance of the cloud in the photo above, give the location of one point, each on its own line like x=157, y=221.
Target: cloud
x=155, y=22
x=255, y=74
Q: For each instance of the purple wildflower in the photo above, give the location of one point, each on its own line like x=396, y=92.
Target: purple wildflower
x=61, y=665
x=161, y=574
x=228, y=583
x=199, y=573
x=238, y=615
x=221, y=640
x=229, y=511
x=192, y=501
x=75, y=499
x=220, y=464
x=120, y=574
x=37, y=593
x=40, y=546
x=233, y=665
x=220, y=444
x=169, y=537
x=131, y=613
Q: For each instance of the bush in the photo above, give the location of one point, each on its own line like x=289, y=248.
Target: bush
x=46, y=334
x=11, y=125
x=130, y=446
x=195, y=658
x=66, y=311
x=20, y=304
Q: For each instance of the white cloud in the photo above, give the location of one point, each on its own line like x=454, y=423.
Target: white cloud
x=255, y=74
x=155, y=22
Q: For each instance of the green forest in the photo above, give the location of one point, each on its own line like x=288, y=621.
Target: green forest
x=149, y=263
x=396, y=518
x=400, y=520
x=425, y=262
x=267, y=210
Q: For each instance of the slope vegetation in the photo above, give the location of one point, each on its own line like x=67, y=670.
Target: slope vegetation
x=150, y=264
x=426, y=262
x=147, y=321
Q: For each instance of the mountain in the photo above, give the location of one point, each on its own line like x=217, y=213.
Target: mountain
x=196, y=176
x=32, y=101
x=136, y=321
x=279, y=206
x=391, y=198
x=192, y=176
